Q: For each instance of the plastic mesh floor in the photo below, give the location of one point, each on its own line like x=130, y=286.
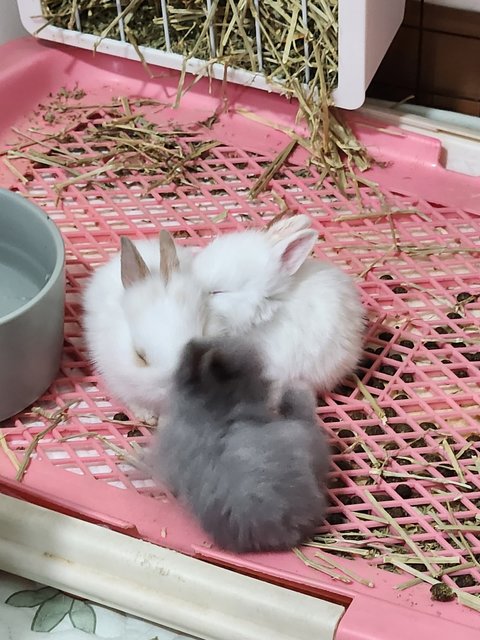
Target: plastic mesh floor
x=405, y=472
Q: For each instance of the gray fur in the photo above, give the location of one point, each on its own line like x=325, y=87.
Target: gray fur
x=254, y=479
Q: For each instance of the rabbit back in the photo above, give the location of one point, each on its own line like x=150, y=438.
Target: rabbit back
x=317, y=333
x=255, y=487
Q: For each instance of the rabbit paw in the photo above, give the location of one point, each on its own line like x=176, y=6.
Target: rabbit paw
x=145, y=415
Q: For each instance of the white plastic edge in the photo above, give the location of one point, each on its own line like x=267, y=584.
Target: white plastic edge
x=156, y=584
x=350, y=93
x=461, y=145
x=366, y=29
x=358, y=59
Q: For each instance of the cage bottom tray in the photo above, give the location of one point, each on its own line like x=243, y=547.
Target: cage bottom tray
x=405, y=484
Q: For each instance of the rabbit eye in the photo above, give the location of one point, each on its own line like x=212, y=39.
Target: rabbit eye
x=141, y=359
x=214, y=293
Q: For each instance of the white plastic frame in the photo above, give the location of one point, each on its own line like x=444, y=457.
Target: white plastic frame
x=366, y=29
x=156, y=584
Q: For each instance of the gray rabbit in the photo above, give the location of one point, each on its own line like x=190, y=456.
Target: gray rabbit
x=253, y=478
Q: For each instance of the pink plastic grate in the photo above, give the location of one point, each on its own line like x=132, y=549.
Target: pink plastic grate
x=421, y=463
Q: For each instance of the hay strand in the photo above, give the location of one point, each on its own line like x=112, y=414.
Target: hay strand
x=54, y=419
x=348, y=572
x=377, y=409
x=8, y=452
x=320, y=567
x=401, y=532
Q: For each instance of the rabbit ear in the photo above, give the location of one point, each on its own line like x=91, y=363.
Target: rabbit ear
x=284, y=225
x=168, y=256
x=294, y=250
x=132, y=265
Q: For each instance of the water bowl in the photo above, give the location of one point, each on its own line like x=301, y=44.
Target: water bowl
x=32, y=294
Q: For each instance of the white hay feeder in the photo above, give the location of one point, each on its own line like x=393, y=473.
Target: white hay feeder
x=365, y=31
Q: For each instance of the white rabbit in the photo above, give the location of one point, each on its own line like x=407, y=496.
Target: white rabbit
x=305, y=316
x=141, y=308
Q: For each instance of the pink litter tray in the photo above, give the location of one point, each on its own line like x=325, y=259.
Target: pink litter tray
x=405, y=481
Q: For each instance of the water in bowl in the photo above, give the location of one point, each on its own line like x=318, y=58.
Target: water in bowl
x=20, y=279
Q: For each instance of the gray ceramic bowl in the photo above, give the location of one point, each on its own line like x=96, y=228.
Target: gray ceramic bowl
x=32, y=293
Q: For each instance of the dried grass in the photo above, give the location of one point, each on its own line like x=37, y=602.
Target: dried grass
x=8, y=452
x=299, y=52
x=54, y=419
x=123, y=141
x=425, y=561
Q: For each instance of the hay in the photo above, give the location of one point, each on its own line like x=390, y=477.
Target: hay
x=348, y=572
x=8, y=452
x=379, y=412
x=322, y=568
x=123, y=141
x=423, y=559
x=54, y=418
x=299, y=52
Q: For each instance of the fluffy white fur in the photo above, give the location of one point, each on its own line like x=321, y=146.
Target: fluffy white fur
x=304, y=315
x=151, y=317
